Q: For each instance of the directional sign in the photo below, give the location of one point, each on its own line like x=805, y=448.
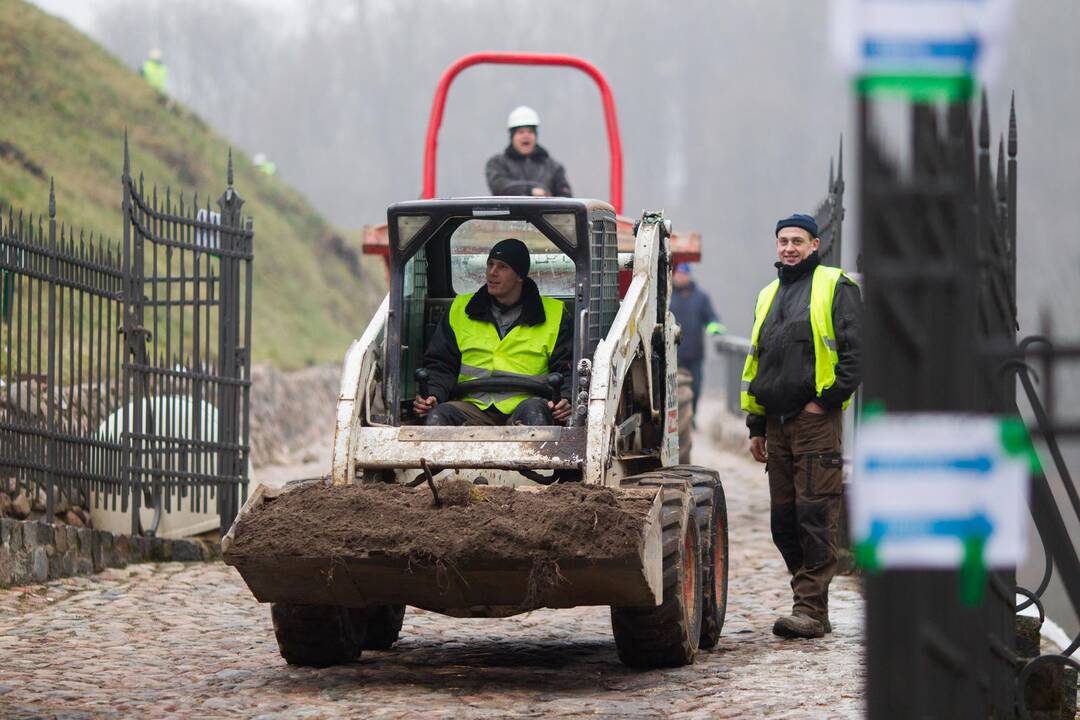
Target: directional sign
x=939, y=491
x=919, y=49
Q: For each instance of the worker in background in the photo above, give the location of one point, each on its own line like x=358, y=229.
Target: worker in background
x=264, y=164
x=506, y=328
x=803, y=366
x=525, y=167
x=154, y=71
x=694, y=313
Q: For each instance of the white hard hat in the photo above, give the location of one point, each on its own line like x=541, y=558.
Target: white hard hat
x=155, y=54
x=522, y=116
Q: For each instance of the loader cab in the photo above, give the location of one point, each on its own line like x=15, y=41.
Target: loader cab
x=439, y=249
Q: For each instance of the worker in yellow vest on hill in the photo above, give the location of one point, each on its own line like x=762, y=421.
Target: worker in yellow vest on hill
x=803, y=366
x=154, y=71
x=504, y=329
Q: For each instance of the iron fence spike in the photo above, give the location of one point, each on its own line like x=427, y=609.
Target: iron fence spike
x=52, y=197
x=127, y=159
x=230, y=173
x=840, y=160
x=984, y=124
x=1001, y=170
x=1012, y=126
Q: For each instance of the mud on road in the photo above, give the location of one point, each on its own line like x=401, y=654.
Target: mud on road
x=188, y=640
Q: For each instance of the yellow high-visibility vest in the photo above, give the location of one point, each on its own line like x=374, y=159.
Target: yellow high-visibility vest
x=523, y=352
x=822, y=290
x=155, y=74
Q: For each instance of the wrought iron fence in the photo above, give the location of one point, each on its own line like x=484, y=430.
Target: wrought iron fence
x=126, y=371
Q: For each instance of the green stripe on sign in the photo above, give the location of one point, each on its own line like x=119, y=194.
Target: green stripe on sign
x=917, y=87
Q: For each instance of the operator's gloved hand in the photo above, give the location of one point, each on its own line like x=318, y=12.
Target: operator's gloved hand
x=716, y=328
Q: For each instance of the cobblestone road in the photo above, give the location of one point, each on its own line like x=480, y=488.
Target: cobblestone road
x=178, y=640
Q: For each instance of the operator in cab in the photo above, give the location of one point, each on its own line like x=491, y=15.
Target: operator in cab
x=525, y=167
x=504, y=329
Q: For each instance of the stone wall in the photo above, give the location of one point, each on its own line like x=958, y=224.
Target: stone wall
x=35, y=552
x=291, y=412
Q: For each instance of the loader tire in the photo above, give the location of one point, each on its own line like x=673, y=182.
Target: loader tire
x=667, y=635
x=685, y=395
x=317, y=635
x=382, y=626
x=712, y=523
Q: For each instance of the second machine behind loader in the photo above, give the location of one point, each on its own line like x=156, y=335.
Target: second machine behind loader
x=666, y=582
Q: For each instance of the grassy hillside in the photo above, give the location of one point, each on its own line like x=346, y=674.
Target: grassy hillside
x=66, y=103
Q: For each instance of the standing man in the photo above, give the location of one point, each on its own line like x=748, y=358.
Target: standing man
x=524, y=167
x=694, y=313
x=154, y=71
x=803, y=366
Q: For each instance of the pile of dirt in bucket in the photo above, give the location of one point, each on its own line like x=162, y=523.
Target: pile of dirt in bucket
x=473, y=524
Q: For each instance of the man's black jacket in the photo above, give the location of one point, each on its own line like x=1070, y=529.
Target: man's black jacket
x=511, y=173
x=693, y=311
x=785, y=380
x=443, y=357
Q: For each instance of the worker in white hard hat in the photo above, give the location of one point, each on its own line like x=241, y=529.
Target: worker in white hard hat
x=525, y=167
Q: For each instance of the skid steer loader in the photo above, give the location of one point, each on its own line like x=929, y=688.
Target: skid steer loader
x=668, y=593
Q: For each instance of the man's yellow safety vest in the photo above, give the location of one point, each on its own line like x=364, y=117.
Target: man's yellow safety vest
x=155, y=74
x=523, y=352
x=822, y=289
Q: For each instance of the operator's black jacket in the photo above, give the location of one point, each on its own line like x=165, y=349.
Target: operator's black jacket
x=511, y=173
x=785, y=379
x=443, y=358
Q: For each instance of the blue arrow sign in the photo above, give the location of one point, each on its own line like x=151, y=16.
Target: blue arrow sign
x=974, y=526
x=978, y=464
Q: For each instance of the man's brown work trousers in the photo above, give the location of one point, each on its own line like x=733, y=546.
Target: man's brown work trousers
x=805, y=483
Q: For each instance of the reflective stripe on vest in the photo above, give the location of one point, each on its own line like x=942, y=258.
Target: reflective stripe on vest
x=524, y=351
x=822, y=290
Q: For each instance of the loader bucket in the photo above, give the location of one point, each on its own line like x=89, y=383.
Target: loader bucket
x=362, y=545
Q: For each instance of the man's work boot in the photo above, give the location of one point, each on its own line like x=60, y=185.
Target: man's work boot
x=798, y=625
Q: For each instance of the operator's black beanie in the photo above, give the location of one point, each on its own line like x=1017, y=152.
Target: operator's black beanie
x=806, y=222
x=514, y=253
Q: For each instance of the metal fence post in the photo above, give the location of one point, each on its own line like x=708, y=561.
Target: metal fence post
x=229, y=457
x=926, y=334
x=53, y=381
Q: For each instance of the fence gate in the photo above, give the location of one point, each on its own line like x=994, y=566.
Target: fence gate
x=126, y=372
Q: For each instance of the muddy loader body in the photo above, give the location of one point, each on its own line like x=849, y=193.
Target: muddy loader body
x=493, y=521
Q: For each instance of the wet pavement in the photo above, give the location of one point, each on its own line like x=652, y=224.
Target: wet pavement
x=188, y=640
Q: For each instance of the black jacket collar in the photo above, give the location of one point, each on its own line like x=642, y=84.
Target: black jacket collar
x=532, y=307
x=791, y=273
x=539, y=153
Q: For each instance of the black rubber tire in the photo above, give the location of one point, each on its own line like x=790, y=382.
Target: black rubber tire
x=666, y=635
x=685, y=395
x=382, y=626
x=317, y=635
x=712, y=522
x=711, y=514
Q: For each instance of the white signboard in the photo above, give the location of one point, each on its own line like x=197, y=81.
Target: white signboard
x=928, y=490
x=918, y=40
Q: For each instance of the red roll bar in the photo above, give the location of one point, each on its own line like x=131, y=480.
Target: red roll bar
x=508, y=58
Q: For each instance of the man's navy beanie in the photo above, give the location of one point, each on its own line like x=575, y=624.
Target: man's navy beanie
x=806, y=222
x=512, y=252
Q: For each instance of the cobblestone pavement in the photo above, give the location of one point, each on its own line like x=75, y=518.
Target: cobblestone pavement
x=188, y=640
